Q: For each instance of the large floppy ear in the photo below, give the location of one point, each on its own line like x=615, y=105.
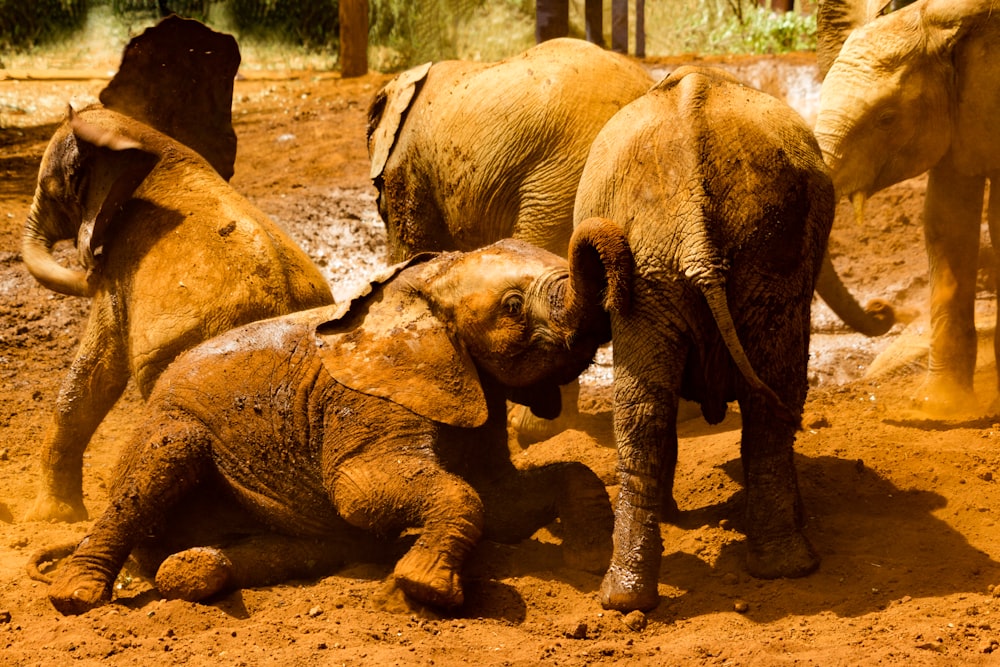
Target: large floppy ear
x=389, y=344
x=177, y=77
x=386, y=113
x=115, y=167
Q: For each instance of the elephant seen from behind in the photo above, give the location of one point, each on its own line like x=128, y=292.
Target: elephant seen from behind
x=331, y=424
x=727, y=205
x=918, y=90
x=172, y=254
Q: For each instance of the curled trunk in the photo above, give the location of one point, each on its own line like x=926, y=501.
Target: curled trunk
x=36, y=251
x=601, y=268
x=875, y=319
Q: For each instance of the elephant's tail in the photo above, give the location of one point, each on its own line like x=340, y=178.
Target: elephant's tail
x=47, y=557
x=715, y=294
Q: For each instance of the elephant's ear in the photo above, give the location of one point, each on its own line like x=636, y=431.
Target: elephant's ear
x=389, y=344
x=386, y=113
x=177, y=77
x=116, y=166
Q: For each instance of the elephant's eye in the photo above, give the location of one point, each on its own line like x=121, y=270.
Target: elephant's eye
x=886, y=119
x=513, y=303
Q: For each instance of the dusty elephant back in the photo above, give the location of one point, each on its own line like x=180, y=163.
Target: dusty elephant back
x=206, y=260
x=495, y=151
x=737, y=154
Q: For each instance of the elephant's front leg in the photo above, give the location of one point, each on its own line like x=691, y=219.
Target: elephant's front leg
x=395, y=491
x=96, y=379
x=173, y=460
x=647, y=383
x=994, y=222
x=952, y=215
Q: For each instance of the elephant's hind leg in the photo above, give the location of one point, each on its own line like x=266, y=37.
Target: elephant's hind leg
x=172, y=458
x=387, y=494
x=96, y=379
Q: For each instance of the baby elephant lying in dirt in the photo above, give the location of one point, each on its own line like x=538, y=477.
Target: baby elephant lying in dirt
x=329, y=427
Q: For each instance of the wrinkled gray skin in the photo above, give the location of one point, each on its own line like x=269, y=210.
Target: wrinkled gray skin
x=464, y=154
x=172, y=255
x=727, y=205
x=390, y=416
x=913, y=91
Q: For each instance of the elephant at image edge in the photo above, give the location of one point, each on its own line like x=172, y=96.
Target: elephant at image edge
x=464, y=154
x=727, y=206
x=918, y=90
x=386, y=416
x=172, y=254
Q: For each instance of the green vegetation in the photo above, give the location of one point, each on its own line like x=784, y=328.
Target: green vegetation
x=27, y=24
x=406, y=32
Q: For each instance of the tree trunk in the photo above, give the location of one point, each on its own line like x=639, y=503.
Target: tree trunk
x=353, y=38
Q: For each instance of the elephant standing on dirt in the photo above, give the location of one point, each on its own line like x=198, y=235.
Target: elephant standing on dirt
x=914, y=90
x=388, y=415
x=173, y=254
x=464, y=154
x=722, y=193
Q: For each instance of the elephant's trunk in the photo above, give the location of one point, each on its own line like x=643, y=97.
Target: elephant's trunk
x=36, y=251
x=875, y=319
x=601, y=267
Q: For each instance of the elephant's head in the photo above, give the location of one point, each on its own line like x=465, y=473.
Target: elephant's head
x=906, y=90
x=835, y=19
x=509, y=314
x=176, y=79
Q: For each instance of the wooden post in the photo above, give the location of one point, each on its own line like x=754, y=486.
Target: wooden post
x=551, y=19
x=594, y=21
x=640, y=28
x=353, y=38
x=619, y=26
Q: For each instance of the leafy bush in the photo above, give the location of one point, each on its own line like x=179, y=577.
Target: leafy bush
x=24, y=25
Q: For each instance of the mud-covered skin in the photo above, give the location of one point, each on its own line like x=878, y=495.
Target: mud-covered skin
x=311, y=424
x=725, y=200
x=171, y=254
x=467, y=153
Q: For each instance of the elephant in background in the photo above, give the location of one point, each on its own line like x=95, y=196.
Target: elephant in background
x=172, y=253
x=918, y=90
x=383, y=416
x=727, y=205
x=464, y=154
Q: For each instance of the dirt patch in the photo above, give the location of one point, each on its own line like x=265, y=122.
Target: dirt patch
x=902, y=510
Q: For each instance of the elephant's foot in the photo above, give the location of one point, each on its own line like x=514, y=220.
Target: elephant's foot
x=51, y=508
x=76, y=589
x=624, y=591
x=790, y=557
x=590, y=553
x=429, y=576
x=531, y=429
x=943, y=397
x=194, y=574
